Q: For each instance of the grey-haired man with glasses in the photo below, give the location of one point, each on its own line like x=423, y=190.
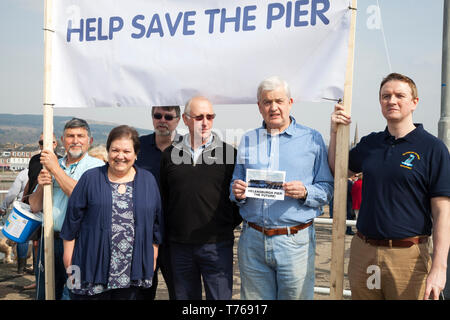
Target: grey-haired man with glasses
x=199, y=217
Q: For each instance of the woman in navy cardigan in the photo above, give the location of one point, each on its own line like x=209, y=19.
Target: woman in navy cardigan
x=113, y=225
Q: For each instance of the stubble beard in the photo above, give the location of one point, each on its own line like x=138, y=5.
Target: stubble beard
x=163, y=133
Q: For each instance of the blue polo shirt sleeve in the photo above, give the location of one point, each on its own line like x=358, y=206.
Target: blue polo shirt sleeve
x=356, y=156
x=440, y=172
x=76, y=209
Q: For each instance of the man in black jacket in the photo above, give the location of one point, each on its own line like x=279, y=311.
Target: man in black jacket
x=199, y=217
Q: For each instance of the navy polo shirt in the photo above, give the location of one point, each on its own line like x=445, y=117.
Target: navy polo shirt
x=400, y=178
x=149, y=156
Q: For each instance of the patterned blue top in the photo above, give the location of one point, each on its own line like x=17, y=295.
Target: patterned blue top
x=122, y=241
x=122, y=237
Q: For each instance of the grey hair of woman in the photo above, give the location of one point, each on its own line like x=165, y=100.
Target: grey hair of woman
x=77, y=123
x=273, y=83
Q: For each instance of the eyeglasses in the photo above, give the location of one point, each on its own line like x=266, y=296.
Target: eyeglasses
x=41, y=142
x=168, y=117
x=200, y=117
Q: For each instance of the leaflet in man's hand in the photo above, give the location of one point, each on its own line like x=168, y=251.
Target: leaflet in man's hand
x=265, y=184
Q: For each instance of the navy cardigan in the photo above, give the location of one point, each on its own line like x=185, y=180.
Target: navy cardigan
x=88, y=221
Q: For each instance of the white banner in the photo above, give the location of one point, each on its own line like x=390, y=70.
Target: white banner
x=133, y=53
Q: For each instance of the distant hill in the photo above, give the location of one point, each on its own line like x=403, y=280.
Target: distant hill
x=26, y=128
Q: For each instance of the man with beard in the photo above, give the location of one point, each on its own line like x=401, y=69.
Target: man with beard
x=64, y=174
x=165, y=122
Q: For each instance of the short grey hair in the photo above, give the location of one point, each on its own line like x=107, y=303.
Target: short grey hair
x=273, y=83
x=77, y=123
x=187, y=106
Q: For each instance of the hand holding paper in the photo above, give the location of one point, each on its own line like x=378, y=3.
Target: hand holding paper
x=295, y=189
x=265, y=184
x=238, y=189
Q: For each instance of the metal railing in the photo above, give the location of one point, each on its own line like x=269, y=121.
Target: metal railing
x=322, y=290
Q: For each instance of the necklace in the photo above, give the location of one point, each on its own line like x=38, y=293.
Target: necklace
x=122, y=188
x=122, y=181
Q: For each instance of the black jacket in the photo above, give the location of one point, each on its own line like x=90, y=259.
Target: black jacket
x=195, y=196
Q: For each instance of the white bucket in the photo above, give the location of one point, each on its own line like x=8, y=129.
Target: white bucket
x=21, y=222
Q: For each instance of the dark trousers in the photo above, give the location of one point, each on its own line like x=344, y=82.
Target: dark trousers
x=131, y=293
x=60, y=271
x=212, y=262
x=163, y=264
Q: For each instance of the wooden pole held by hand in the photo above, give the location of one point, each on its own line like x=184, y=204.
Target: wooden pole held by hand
x=341, y=175
x=49, y=264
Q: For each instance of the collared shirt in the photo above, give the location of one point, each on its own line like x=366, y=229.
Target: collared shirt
x=196, y=204
x=149, y=156
x=197, y=152
x=74, y=171
x=400, y=176
x=302, y=154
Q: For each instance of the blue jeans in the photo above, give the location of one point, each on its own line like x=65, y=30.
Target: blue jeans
x=22, y=250
x=213, y=262
x=277, y=267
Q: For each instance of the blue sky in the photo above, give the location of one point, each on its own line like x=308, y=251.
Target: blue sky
x=413, y=34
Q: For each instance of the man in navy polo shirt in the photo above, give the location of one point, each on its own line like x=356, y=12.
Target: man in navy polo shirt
x=405, y=199
x=165, y=122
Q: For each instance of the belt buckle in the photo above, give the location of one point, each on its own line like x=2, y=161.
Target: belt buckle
x=264, y=230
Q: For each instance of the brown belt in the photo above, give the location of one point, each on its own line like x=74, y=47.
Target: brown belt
x=404, y=243
x=280, y=231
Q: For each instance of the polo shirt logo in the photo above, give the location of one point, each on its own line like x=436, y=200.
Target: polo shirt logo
x=408, y=162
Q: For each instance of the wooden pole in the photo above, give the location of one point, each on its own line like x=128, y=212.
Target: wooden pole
x=49, y=265
x=341, y=175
